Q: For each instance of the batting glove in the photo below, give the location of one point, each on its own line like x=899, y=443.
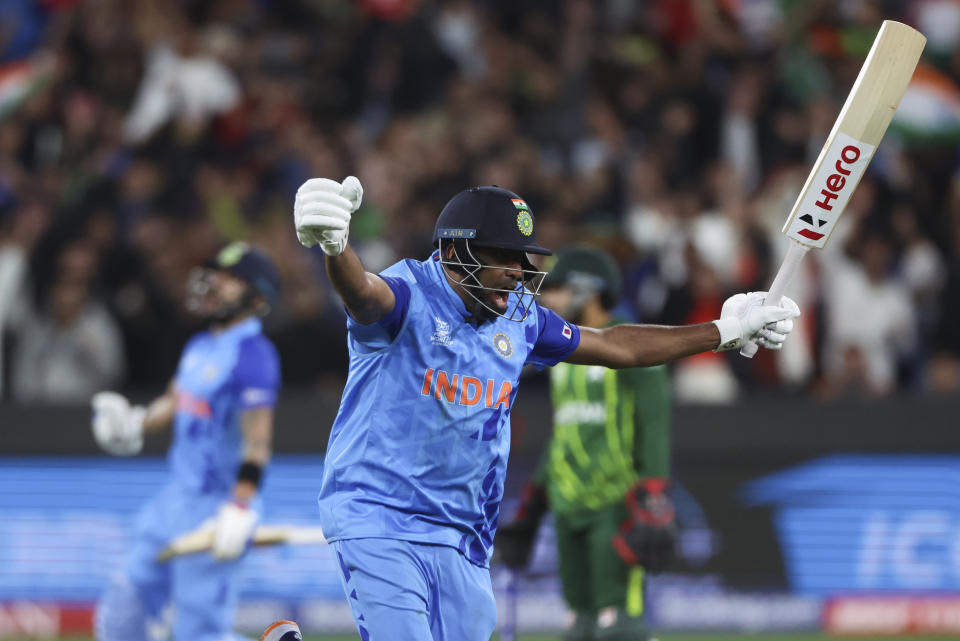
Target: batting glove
x=745, y=317
x=117, y=427
x=322, y=211
x=514, y=542
x=648, y=537
x=232, y=529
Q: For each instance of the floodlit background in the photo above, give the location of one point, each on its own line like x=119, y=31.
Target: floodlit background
x=819, y=489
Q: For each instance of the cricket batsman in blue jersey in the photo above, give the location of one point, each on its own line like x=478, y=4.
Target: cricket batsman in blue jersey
x=414, y=472
x=220, y=405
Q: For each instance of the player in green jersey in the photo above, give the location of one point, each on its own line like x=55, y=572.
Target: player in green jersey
x=605, y=471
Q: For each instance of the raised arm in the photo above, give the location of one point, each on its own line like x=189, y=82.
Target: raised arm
x=366, y=296
x=321, y=213
x=744, y=317
x=624, y=346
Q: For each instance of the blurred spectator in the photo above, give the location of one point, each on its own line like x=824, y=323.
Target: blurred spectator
x=180, y=84
x=872, y=324
x=20, y=229
x=72, y=347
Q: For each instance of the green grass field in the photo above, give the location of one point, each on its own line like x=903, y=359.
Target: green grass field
x=703, y=636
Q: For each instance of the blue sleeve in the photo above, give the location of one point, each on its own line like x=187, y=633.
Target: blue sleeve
x=381, y=333
x=257, y=374
x=556, y=339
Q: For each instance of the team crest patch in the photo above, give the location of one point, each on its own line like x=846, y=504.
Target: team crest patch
x=525, y=222
x=503, y=345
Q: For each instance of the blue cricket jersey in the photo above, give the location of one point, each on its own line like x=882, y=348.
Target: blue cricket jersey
x=220, y=375
x=419, y=447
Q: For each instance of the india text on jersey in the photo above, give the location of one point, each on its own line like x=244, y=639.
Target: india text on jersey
x=441, y=385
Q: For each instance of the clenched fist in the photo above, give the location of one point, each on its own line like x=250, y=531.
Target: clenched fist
x=322, y=211
x=745, y=317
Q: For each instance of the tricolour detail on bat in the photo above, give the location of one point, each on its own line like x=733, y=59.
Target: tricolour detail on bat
x=839, y=173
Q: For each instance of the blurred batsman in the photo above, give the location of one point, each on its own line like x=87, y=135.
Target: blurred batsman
x=414, y=471
x=220, y=404
x=604, y=473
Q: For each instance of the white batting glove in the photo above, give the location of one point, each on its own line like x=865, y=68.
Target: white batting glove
x=322, y=211
x=744, y=317
x=117, y=427
x=232, y=529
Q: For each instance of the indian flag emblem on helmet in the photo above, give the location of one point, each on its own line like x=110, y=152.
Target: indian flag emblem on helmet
x=525, y=222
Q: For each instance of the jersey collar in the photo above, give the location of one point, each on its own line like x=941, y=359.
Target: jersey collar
x=241, y=330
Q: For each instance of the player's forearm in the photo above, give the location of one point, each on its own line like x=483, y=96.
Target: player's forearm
x=160, y=412
x=244, y=491
x=656, y=344
x=355, y=285
x=366, y=296
x=643, y=345
x=257, y=426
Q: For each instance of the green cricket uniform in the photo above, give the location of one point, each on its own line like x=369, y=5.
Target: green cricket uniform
x=611, y=428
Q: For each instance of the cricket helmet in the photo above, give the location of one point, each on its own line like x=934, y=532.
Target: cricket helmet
x=587, y=271
x=251, y=265
x=496, y=218
x=242, y=261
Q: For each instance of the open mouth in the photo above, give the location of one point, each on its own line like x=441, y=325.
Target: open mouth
x=500, y=300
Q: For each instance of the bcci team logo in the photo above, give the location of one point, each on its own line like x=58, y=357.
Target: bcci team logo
x=503, y=345
x=525, y=223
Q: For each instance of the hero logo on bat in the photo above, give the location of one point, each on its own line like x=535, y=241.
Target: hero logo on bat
x=844, y=164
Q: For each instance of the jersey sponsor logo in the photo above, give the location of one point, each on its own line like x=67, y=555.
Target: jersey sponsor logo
x=844, y=163
x=579, y=412
x=441, y=333
x=461, y=389
x=567, y=332
x=192, y=405
x=525, y=222
x=501, y=342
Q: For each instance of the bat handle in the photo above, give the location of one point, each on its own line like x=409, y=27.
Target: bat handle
x=789, y=266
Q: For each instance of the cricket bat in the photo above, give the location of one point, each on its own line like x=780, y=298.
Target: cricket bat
x=201, y=539
x=862, y=122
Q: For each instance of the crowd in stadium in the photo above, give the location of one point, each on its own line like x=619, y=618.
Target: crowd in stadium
x=137, y=137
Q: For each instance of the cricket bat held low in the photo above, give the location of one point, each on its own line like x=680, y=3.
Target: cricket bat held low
x=859, y=128
x=201, y=540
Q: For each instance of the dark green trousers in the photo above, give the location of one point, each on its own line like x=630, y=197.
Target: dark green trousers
x=592, y=575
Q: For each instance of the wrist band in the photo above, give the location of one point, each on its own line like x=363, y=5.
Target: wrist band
x=252, y=472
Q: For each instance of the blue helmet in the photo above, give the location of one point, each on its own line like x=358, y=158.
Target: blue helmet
x=489, y=217
x=242, y=261
x=251, y=265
